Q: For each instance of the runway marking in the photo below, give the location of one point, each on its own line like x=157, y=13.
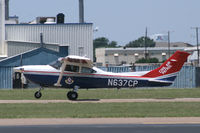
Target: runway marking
x=103, y=100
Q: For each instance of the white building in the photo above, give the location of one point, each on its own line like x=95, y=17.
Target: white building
x=118, y=56
x=77, y=37
x=2, y=28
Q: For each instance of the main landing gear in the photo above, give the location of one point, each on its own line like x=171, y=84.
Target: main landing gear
x=71, y=95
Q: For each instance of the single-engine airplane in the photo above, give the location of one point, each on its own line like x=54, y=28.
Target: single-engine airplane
x=78, y=72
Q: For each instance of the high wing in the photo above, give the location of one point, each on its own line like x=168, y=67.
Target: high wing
x=78, y=72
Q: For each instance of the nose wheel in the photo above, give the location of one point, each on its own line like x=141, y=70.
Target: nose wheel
x=38, y=94
x=72, y=95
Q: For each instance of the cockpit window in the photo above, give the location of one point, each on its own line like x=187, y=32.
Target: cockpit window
x=56, y=64
x=72, y=68
x=87, y=70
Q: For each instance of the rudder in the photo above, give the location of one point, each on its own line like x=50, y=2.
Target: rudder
x=172, y=65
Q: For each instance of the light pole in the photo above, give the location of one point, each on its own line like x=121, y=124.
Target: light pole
x=168, y=43
x=197, y=37
x=145, y=44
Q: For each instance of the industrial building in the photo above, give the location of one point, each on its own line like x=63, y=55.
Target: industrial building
x=53, y=32
x=40, y=42
x=119, y=56
x=75, y=38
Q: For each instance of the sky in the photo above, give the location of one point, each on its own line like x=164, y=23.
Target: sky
x=121, y=20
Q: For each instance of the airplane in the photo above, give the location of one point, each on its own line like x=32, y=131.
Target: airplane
x=78, y=72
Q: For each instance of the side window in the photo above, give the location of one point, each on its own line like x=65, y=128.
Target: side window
x=87, y=70
x=72, y=68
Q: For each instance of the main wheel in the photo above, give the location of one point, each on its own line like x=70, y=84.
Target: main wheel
x=72, y=95
x=38, y=94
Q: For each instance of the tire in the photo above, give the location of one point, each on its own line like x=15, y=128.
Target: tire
x=72, y=95
x=38, y=94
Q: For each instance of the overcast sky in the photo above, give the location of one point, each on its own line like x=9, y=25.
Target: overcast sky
x=121, y=20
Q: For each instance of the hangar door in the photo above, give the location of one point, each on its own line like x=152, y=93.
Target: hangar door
x=6, y=77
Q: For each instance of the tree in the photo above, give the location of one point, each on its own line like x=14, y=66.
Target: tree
x=102, y=42
x=112, y=44
x=140, y=42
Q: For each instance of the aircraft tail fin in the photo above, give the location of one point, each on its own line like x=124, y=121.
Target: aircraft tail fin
x=170, y=66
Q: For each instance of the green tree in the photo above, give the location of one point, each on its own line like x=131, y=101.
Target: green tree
x=140, y=42
x=102, y=42
x=112, y=44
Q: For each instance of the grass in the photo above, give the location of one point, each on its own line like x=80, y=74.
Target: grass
x=97, y=110
x=27, y=94
x=91, y=110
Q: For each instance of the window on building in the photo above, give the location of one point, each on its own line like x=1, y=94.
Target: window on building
x=72, y=68
x=107, y=62
x=81, y=51
x=123, y=62
x=164, y=56
x=136, y=56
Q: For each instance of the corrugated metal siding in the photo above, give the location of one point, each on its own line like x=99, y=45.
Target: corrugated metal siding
x=39, y=56
x=73, y=35
x=116, y=69
x=15, y=48
x=6, y=81
x=197, y=76
x=185, y=79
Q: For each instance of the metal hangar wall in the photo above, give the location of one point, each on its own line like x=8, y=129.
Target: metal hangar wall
x=77, y=36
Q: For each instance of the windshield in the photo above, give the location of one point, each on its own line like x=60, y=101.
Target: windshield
x=56, y=64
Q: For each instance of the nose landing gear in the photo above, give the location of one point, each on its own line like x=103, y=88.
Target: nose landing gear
x=38, y=93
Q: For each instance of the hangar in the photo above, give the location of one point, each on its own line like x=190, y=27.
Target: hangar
x=77, y=38
x=42, y=44
x=37, y=56
x=39, y=43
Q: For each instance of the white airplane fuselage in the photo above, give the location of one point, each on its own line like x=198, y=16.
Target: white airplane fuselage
x=79, y=72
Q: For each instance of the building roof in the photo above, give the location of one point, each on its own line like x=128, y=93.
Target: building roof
x=51, y=24
x=142, y=48
x=38, y=56
x=173, y=44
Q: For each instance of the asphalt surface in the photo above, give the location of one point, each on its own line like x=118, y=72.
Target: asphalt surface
x=131, y=128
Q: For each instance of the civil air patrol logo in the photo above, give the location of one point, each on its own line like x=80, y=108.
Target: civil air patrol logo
x=69, y=81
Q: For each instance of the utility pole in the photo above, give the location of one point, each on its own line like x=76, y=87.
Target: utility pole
x=168, y=43
x=145, y=44
x=197, y=37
